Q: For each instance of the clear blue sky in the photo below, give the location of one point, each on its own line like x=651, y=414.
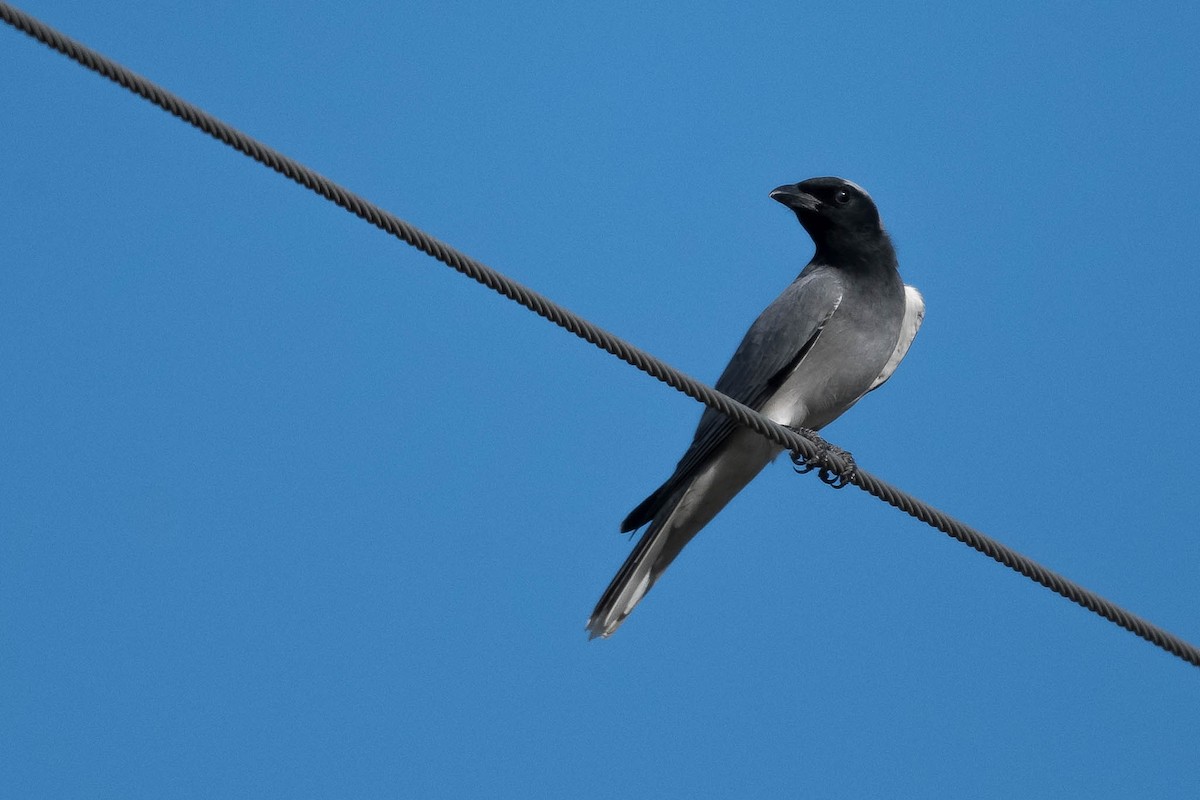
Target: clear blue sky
x=288, y=509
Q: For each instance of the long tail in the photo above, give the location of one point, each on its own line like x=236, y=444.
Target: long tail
x=654, y=552
x=676, y=512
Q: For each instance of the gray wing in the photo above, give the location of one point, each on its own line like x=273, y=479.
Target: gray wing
x=914, y=315
x=771, y=350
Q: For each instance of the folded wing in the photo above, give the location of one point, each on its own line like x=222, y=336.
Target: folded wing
x=914, y=314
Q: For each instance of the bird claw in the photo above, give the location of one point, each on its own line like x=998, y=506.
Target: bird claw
x=820, y=462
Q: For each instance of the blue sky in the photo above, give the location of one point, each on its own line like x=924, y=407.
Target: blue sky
x=288, y=509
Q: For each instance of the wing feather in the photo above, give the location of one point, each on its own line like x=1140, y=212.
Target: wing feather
x=914, y=315
x=771, y=350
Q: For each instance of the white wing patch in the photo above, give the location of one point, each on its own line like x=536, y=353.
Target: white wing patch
x=914, y=313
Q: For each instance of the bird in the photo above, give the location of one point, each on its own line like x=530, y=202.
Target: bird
x=837, y=332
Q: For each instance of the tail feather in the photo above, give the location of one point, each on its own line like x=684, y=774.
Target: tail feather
x=677, y=511
x=635, y=577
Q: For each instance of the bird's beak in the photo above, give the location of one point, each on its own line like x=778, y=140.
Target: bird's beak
x=791, y=196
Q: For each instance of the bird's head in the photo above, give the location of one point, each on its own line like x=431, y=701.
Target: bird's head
x=832, y=210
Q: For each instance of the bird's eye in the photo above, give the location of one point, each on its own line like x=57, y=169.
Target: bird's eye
x=842, y=197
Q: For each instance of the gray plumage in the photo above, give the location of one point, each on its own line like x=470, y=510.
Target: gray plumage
x=837, y=332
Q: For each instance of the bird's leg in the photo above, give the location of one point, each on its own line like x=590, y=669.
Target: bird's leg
x=820, y=461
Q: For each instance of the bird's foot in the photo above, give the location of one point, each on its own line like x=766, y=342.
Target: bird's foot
x=820, y=462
